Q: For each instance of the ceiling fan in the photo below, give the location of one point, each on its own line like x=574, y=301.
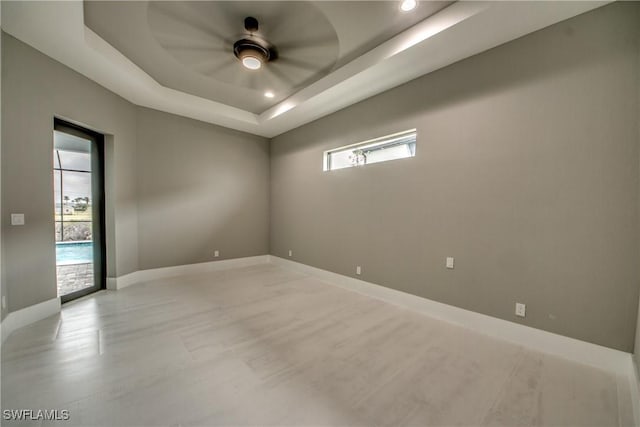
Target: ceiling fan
x=257, y=45
x=252, y=50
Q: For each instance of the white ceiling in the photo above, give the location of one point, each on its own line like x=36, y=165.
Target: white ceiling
x=163, y=55
x=188, y=46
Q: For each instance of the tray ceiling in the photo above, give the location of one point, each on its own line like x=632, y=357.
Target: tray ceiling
x=177, y=56
x=188, y=46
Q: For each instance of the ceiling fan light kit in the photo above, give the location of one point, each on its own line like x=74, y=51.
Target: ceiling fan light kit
x=252, y=62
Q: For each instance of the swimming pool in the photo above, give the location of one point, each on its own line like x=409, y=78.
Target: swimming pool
x=74, y=252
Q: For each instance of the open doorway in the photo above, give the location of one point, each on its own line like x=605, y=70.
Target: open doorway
x=78, y=175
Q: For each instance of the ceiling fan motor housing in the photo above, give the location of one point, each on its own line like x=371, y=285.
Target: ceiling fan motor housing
x=251, y=24
x=244, y=47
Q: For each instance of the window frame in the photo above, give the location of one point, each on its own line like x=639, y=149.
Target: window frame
x=378, y=142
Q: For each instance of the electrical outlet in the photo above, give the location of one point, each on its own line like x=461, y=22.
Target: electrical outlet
x=216, y=254
x=17, y=219
x=290, y=252
x=449, y=262
x=358, y=270
x=520, y=309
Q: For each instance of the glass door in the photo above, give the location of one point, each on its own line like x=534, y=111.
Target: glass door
x=78, y=209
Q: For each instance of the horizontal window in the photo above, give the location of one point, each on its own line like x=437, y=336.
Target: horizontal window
x=391, y=147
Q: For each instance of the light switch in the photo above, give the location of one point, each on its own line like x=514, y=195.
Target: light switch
x=17, y=219
x=449, y=262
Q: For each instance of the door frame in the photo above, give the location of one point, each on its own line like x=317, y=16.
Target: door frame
x=98, y=222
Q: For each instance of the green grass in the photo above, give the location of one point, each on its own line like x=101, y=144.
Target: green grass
x=76, y=216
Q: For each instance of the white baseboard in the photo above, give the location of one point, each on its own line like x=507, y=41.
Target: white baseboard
x=595, y=355
x=31, y=314
x=181, y=270
x=112, y=283
x=19, y=318
x=634, y=384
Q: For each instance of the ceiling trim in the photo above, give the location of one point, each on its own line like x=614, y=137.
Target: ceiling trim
x=461, y=30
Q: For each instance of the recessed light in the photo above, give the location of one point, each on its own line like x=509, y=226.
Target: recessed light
x=408, y=5
x=269, y=94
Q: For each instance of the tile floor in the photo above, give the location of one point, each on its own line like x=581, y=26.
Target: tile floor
x=263, y=345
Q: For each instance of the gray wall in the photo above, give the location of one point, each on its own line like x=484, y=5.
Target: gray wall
x=177, y=189
x=3, y=288
x=201, y=188
x=526, y=172
x=637, y=342
x=37, y=89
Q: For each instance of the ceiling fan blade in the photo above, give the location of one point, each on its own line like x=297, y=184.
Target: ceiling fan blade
x=311, y=52
x=179, y=41
x=253, y=81
x=294, y=18
x=198, y=48
x=190, y=19
x=213, y=69
x=302, y=43
x=269, y=80
x=274, y=71
x=270, y=26
x=304, y=65
x=205, y=64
